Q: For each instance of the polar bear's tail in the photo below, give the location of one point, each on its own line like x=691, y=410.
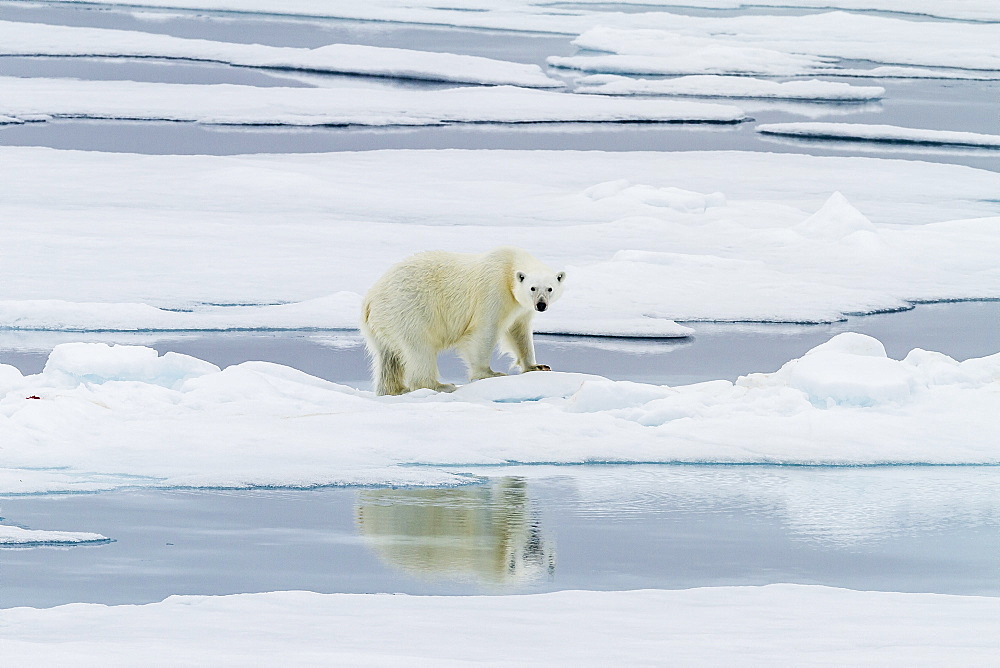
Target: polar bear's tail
x=388, y=373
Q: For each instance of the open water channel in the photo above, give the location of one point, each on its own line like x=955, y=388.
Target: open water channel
x=521, y=529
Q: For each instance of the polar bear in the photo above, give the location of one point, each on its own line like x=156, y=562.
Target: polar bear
x=438, y=300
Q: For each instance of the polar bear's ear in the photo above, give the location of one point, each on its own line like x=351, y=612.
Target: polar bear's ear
x=520, y=276
x=560, y=276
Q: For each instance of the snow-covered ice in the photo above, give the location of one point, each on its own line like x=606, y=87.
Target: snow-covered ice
x=228, y=104
x=888, y=133
x=36, y=39
x=120, y=416
x=292, y=241
x=786, y=624
x=728, y=86
x=11, y=536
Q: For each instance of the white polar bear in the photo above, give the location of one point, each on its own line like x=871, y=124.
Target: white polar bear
x=438, y=300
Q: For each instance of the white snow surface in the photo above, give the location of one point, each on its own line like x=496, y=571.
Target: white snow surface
x=101, y=417
x=110, y=241
x=11, y=536
x=36, y=39
x=783, y=623
x=228, y=104
x=889, y=133
x=728, y=86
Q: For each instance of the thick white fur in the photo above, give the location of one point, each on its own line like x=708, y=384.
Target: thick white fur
x=438, y=300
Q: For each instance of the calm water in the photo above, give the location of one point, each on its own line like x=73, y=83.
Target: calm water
x=531, y=529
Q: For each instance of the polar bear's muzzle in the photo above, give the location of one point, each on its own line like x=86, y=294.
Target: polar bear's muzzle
x=541, y=304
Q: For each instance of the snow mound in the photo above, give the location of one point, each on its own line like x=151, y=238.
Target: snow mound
x=853, y=370
x=837, y=219
x=622, y=192
x=74, y=364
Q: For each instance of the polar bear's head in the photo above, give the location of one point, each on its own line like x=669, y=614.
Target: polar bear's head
x=536, y=289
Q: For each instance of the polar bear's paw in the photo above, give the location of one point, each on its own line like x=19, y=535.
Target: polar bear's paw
x=488, y=373
x=539, y=367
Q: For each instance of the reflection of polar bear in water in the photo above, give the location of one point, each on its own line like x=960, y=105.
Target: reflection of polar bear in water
x=485, y=533
x=439, y=300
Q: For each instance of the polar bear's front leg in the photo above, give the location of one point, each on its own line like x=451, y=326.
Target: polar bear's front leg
x=477, y=352
x=518, y=340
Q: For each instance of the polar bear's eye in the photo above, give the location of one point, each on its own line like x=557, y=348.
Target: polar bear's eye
x=550, y=289
x=533, y=289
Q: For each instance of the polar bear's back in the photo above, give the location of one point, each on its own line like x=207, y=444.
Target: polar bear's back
x=438, y=295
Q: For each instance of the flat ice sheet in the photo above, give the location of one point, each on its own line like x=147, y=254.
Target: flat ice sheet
x=34, y=99
x=36, y=39
x=728, y=86
x=106, y=417
x=886, y=133
x=788, y=624
x=293, y=241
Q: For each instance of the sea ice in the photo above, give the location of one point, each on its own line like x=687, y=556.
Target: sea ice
x=11, y=536
x=114, y=416
x=227, y=104
x=36, y=39
x=781, y=623
x=784, y=44
x=693, y=236
x=887, y=133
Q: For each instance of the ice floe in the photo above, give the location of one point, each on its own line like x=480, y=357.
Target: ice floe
x=35, y=39
x=782, y=623
x=728, y=86
x=292, y=241
x=11, y=536
x=886, y=133
x=782, y=45
x=121, y=416
x=227, y=104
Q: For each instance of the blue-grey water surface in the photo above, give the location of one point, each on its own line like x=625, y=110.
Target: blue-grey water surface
x=533, y=529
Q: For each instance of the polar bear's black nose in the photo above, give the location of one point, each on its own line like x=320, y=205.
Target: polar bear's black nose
x=541, y=306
